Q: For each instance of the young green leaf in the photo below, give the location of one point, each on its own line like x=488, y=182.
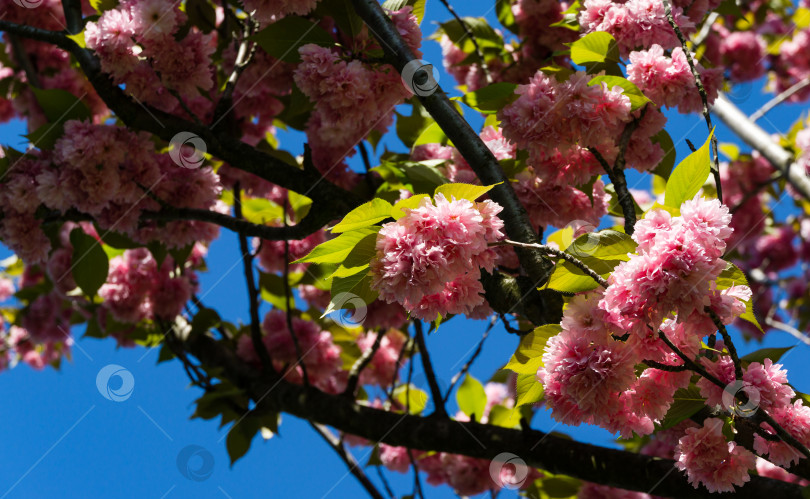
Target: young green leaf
x=336, y=250
x=492, y=98
x=471, y=398
x=407, y=203
x=365, y=215
x=469, y=192
x=89, y=262
x=528, y=389
x=689, y=176
x=283, y=38
x=636, y=96
x=528, y=357
x=598, y=46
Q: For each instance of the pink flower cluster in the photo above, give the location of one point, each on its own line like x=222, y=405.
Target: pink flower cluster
x=109, y=173
x=589, y=376
x=429, y=261
x=678, y=260
x=352, y=98
x=635, y=23
x=668, y=80
x=383, y=368
x=137, y=47
x=319, y=355
x=559, y=124
x=268, y=11
x=137, y=289
x=709, y=459
x=795, y=419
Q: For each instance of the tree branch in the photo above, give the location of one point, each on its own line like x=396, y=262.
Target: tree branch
x=782, y=97
x=351, y=463
x=465, y=139
x=753, y=135
x=435, y=392
x=538, y=449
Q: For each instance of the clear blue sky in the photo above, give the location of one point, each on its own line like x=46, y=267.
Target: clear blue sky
x=62, y=438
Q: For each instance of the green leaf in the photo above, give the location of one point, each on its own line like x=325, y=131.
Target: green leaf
x=601, y=251
x=469, y=192
x=89, y=264
x=359, y=257
x=433, y=134
x=505, y=16
x=345, y=289
x=561, y=486
x=504, y=417
x=103, y=5
x=300, y=204
x=271, y=288
x=417, y=5
x=410, y=127
x=202, y=15
x=45, y=136
x=528, y=357
x=471, y=398
x=687, y=402
x=528, y=389
x=336, y=250
x=766, y=353
x=283, y=38
x=261, y=211
x=492, y=98
x=734, y=276
x=344, y=15
x=407, y=203
x=664, y=168
x=204, y=320
x=424, y=176
x=365, y=215
x=636, y=96
x=689, y=176
x=598, y=46
x=61, y=105
x=485, y=35
x=413, y=398
x=240, y=437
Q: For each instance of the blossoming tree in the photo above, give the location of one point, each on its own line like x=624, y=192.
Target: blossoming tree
x=152, y=125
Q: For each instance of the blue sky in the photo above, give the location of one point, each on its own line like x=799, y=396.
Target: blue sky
x=63, y=438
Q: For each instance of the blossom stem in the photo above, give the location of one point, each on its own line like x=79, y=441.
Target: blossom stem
x=703, y=97
x=565, y=256
x=732, y=350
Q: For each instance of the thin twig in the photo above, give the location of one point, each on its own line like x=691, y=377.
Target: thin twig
x=360, y=364
x=665, y=367
x=23, y=60
x=471, y=36
x=469, y=363
x=435, y=392
x=703, y=97
x=417, y=484
x=769, y=321
x=253, y=294
x=565, y=256
x=385, y=483
x=353, y=465
x=619, y=181
x=761, y=414
x=244, y=56
x=782, y=97
x=732, y=350
x=288, y=305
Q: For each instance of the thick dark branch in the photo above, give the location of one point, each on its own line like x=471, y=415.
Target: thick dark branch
x=538, y=449
x=311, y=223
x=465, y=139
